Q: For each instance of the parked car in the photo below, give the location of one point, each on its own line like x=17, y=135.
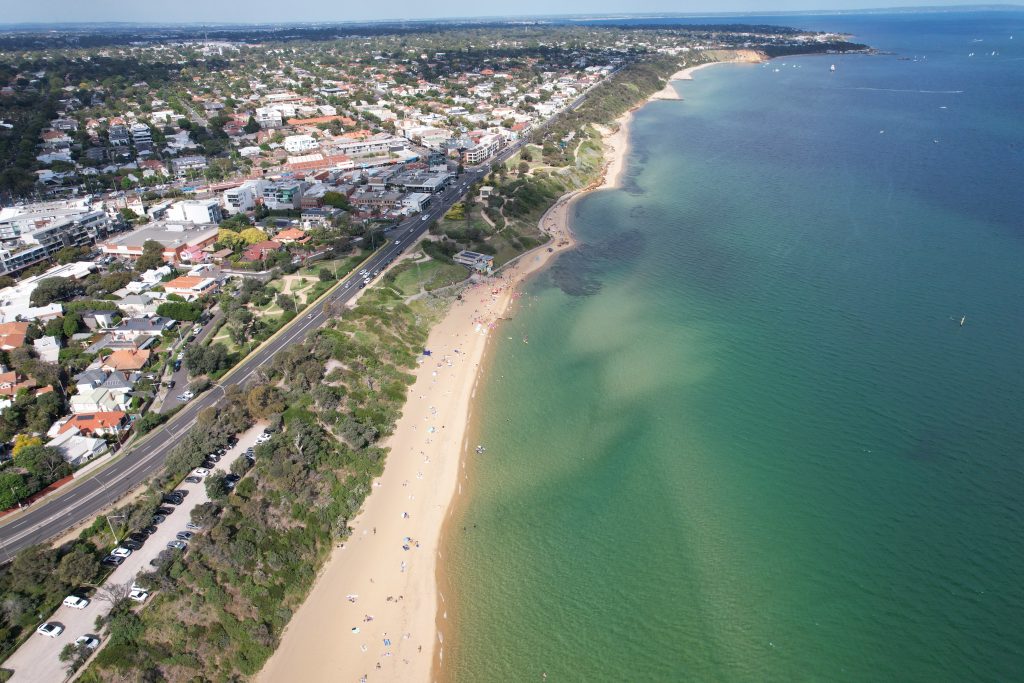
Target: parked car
x=141, y=536
x=181, y=493
x=184, y=535
x=200, y=472
x=177, y=365
x=165, y=510
x=121, y=551
x=138, y=595
x=177, y=545
x=132, y=544
x=50, y=629
x=170, y=384
x=193, y=479
x=76, y=602
x=158, y=519
x=194, y=527
x=88, y=641
x=149, y=530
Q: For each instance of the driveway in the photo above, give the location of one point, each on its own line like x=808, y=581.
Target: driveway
x=38, y=658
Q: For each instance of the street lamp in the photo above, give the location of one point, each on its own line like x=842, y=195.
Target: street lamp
x=112, y=532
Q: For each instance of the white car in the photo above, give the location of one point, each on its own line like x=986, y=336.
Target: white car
x=200, y=472
x=75, y=602
x=188, y=395
x=263, y=438
x=139, y=595
x=91, y=642
x=398, y=241
x=425, y=218
x=121, y=552
x=50, y=629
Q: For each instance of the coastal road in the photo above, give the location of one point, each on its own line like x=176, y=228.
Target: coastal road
x=86, y=498
x=54, y=515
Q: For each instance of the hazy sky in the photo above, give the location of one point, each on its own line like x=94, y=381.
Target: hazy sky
x=276, y=11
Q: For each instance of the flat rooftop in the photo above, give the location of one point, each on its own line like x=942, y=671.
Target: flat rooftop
x=169, y=234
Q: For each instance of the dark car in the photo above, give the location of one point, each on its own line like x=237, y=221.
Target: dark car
x=149, y=530
x=164, y=511
x=208, y=464
x=177, y=365
x=169, y=384
x=132, y=544
x=172, y=499
x=139, y=536
x=184, y=535
x=158, y=519
x=179, y=492
x=112, y=561
x=193, y=480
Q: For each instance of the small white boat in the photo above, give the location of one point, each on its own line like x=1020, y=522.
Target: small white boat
x=832, y=68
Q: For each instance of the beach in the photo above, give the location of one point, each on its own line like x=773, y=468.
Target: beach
x=734, y=56
x=375, y=610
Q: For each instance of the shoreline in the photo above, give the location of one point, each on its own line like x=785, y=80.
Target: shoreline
x=390, y=560
x=390, y=564
x=738, y=57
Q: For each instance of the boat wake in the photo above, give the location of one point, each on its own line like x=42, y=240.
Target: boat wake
x=923, y=92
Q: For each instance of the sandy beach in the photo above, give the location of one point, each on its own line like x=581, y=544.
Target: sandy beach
x=375, y=611
x=736, y=56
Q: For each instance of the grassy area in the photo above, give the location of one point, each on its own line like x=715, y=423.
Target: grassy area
x=222, y=337
x=410, y=277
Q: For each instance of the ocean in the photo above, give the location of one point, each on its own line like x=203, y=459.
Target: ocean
x=741, y=434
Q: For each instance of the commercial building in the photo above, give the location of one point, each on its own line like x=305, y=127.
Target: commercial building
x=196, y=211
x=175, y=238
x=33, y=233
x=298, y=144
x=283, y=195
x=485, y=147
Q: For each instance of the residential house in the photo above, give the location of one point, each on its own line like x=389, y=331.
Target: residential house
x=125, y=360
x=260, y=250
x=48, y=349
x=291, y=236
x=96, y=424
x=12, y=335
x=191, y=287
x=77, y=449
x=131, y=329
x=138, y=304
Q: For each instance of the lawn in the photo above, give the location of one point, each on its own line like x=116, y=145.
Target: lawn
x=429, y=275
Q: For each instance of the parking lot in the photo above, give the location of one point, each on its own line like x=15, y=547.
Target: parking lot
x=38, y=659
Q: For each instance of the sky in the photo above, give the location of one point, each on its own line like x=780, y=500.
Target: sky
x=275, y=11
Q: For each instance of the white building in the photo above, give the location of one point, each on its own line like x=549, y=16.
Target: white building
x=297, y=144
x=47, y=348
x=243, y=197
x=196, y=211
x=484, y=148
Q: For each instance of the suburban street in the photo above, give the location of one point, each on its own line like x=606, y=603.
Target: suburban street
x=86, y=498
x=38, y=658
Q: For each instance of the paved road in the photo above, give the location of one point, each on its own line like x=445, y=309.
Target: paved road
x=63, y=510
x=38, y=658
x=58, y=513
x=180, y=377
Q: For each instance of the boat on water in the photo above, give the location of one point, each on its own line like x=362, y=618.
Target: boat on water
x=832, y=68
x=480, y=449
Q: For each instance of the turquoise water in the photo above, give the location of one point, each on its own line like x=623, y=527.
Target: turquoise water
x=748, y=438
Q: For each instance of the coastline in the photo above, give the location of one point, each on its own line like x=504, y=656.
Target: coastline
x=736, y=57
x=391, y=561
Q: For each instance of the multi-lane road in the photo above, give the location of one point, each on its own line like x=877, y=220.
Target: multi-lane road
x=88, y=497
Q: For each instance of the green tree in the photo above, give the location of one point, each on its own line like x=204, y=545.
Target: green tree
x=180, y=310
x=51, y=289
x=12, y=489
x=78, y=567
x=337, y=200
x=253, y=235
x=152, y=256
x=251, y=126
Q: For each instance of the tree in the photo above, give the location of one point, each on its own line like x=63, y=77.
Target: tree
x=179, y=310
x=152, y=256
x=264, y=400
x=253, y=235
x=230, y=238
x=6, y=281
x=71, y=324
x=12, y=489
x=215, y=487
x=70, y=254
x=337, y=200
x=251, y=126
x=23, y=441
x=44, y=462
x=78, y=567
x=523, y=168
x=325, y=275
x=52, y=289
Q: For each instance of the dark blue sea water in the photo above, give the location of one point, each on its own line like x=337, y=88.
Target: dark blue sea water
x=749, y=438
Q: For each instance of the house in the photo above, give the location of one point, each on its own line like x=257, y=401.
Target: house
x=99, y=400
x=98, y=320
x=12, y=335
x=131, y=329
x=138, y=304
x=291, y=236
x=297, y=144
x=126, y=359
x=261, y=250
x=77, y=449
x=48, y=349
x=196, y=211
x=11, y=384
x=97, y=424
x=190, y=286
